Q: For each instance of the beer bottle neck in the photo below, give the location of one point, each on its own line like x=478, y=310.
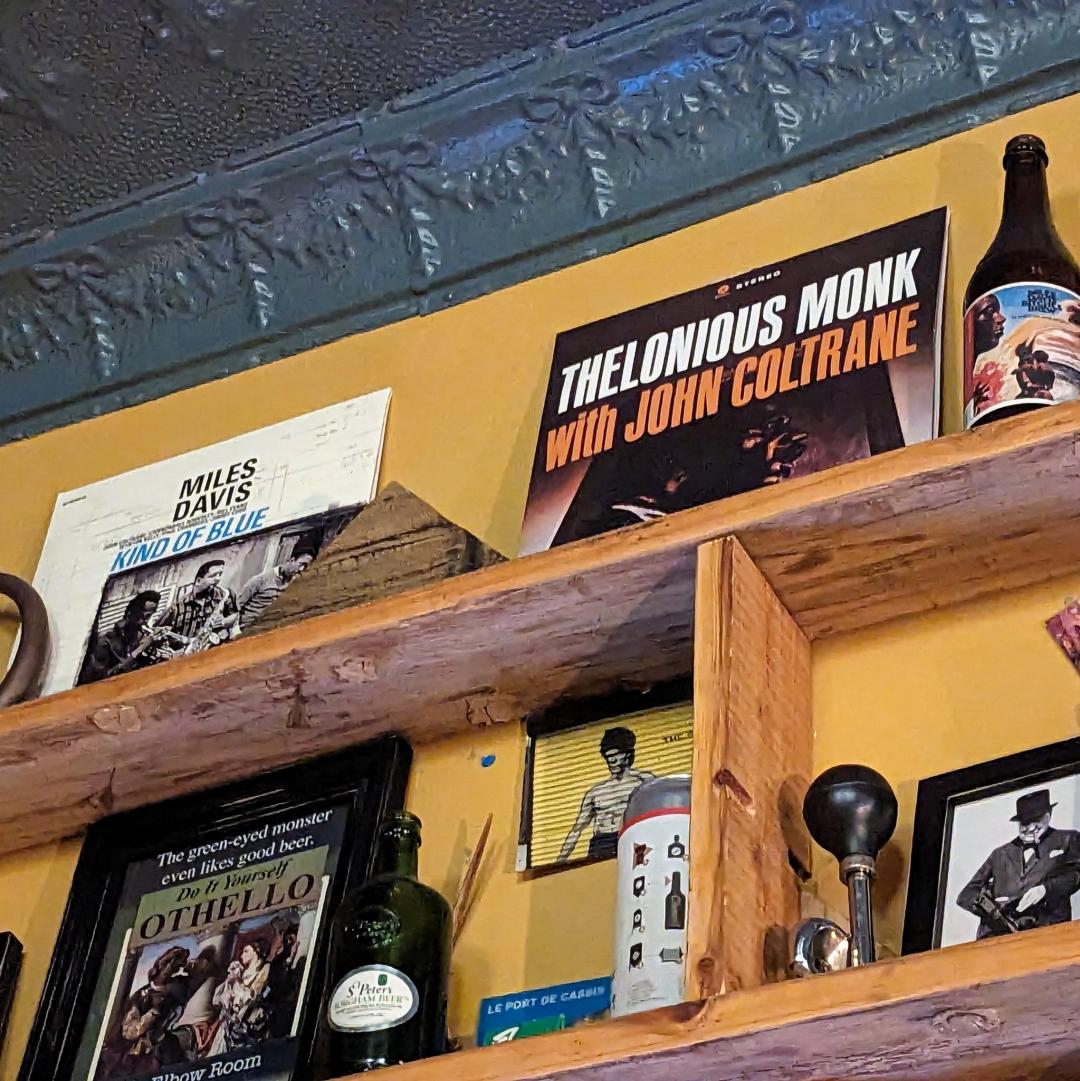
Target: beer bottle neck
x=1025, y=216
x=397, y=855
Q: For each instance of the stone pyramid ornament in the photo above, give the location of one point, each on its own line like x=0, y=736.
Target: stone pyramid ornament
x=396, y=543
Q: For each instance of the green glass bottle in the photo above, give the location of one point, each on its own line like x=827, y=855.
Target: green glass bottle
x=388, y=965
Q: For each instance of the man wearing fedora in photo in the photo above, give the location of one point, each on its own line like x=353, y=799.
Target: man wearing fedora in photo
x=1028, y=881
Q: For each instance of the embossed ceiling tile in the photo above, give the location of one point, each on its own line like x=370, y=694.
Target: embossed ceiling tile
x=344, y=243
x=170, y=87
x=36, y=84
x=296, y=243
x=534, y=161
x=597, y=136
x=213, y=30
x=574, y=145
x=1010, y=36
x=810, y=66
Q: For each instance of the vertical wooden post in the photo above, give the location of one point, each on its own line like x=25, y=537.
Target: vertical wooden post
x=752, y=733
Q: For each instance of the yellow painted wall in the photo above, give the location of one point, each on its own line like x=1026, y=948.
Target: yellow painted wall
x=913, y=698
x=929, y=694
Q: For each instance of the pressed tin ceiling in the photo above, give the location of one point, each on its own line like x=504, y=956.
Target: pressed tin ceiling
x=192, y=187
x=102, y=97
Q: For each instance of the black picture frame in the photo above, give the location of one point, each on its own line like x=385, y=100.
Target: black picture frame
x=937, y=799
x=11, y=953
x=369, y=781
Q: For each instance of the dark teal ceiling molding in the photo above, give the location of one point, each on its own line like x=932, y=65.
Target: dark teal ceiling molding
x=663, y=117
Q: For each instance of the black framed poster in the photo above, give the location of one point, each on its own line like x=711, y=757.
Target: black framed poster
x=193, y=940
x=10, y=963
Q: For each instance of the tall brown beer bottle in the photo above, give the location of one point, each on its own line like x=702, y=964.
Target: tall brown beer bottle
x=1022, y=307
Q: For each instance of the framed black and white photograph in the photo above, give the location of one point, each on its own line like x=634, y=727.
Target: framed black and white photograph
x=996, y=849
x=193, y=939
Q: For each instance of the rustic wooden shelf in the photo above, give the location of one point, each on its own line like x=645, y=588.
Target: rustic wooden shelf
x=905, y=532
x=989, y=1011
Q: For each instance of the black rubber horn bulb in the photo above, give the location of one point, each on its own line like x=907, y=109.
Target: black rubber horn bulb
x=850, y=811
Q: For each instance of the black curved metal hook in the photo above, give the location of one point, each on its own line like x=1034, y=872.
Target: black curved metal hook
x=24, y=676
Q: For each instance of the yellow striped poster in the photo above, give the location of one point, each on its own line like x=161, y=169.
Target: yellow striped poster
x=582, y=778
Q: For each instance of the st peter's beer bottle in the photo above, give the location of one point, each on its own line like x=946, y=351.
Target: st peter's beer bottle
x=388, y=965
x=1022, y=308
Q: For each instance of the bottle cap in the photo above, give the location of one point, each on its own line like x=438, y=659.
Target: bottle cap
x=1025, y=144
x=400, y=824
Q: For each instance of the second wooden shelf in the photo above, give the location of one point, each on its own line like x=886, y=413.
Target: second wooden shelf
x=905, y=532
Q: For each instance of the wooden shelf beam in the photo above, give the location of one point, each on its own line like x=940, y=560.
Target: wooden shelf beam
x=999, y=1010
x=905, y=532
x=753, y=748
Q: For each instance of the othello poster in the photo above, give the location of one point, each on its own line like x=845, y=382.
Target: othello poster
x=782, y=371
x=207, y=968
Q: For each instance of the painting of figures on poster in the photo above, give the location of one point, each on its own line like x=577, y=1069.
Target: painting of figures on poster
x=772, y=374
x=207, y=966
x=184, y=555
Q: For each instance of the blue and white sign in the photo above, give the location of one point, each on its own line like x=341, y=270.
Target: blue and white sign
x=544, y=1009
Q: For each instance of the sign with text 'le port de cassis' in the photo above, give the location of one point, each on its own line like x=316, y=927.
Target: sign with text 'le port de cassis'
x=542, y=1009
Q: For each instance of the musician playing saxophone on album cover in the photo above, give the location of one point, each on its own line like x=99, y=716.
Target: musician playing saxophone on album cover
x=206, y=614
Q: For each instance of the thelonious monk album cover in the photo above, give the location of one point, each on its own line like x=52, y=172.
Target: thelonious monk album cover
x=775, y=373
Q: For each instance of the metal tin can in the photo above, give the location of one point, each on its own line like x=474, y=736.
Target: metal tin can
x=652, y=897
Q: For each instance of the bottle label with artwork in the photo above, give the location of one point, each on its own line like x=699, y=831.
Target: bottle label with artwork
x=1021, y=348
x=372, y=998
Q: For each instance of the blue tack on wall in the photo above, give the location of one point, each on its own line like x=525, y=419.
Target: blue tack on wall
x=487, y=760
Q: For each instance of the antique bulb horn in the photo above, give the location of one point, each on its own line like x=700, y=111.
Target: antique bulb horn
x=851, y=812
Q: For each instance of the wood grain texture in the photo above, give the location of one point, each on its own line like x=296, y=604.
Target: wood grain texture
x=752, y=743
x=396, y=543
x=901, y=533
x=471, y=651
x=999, y=1010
